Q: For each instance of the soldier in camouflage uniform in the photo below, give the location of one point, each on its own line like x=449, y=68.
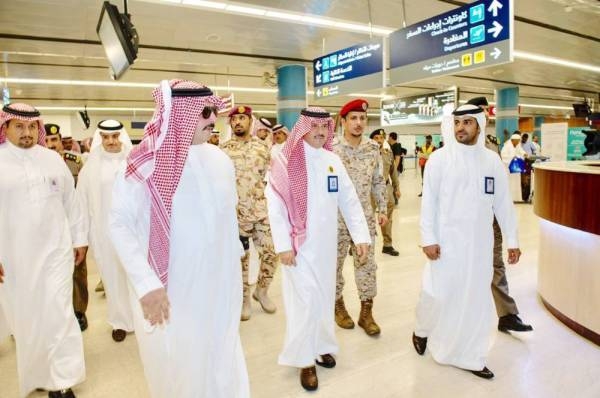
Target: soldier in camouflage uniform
x=392, y=189
x=363, y=162
x=251, y=158
x=74, y=163
x=506, y=307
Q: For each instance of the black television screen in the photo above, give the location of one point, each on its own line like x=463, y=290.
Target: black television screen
x=581, y=110
x=118, y=37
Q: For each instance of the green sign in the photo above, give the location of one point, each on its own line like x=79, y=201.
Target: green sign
x=575, y=146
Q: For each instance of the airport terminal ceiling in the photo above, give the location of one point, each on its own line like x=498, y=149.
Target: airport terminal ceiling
x=56, y=40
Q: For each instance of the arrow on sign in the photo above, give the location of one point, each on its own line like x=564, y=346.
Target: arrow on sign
x=494, y=7
x=496, y=53
x=318, y=65
x=495, y=30
x=318, y=92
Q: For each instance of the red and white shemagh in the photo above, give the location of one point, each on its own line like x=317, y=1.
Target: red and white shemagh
x=159, y=159
x=23, y=112
x=289, y=177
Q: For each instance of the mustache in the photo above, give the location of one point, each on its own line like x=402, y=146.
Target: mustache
x=211, y=125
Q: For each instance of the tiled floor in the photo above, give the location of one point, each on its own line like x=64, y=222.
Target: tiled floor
x=551, y=362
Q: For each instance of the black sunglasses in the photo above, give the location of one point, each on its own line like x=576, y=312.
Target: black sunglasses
x=208, y=110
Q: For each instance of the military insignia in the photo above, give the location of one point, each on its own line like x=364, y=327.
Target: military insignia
x=330, y=169
x=241, y=109
x=72, y=157
x=53, y=129
x=364, y=106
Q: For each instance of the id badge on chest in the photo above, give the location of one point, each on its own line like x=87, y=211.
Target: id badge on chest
x=489, y=185
x=332, y=183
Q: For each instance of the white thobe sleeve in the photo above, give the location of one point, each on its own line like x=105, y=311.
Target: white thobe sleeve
x=72, y=206
x=281, y=228
x=351, y=209
x=83, y=191
x=430, y=201
x=504, y=209
x=125, y=238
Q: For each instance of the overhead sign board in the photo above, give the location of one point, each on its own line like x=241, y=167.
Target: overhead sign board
x=355, y=68
x=416, y=109
x=477, y=35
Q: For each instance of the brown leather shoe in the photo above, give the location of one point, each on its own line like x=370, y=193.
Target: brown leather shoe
x=119, y=335
x=366, y=320
x=420, y=344
x=342, y=318
x=308, y=378
x=327, y=361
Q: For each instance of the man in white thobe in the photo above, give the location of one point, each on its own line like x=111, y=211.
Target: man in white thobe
x=465, y=186
x=511, y=150
x=110, y=147
x=43, y=238
x=174, y=226
x=308, y=184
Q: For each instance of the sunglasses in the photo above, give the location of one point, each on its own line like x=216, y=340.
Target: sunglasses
x=208, y=110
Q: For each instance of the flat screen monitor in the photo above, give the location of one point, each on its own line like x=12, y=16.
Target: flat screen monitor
x=119, y=39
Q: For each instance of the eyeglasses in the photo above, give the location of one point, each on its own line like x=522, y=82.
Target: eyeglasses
x=208, y=110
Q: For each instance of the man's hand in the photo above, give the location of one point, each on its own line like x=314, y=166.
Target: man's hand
x=362, y=251
x=1, y=273
x=287, y=258
x=79, y=254
x=514, y=255
x=432, y=252
x=381, y=219
x=397, y=194
x=155, y=306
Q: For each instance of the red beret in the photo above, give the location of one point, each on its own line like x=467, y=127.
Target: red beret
x=357, y=105
x=241, y=110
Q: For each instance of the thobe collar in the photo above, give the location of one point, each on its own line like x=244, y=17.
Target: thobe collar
x=311, y=152
x=19, y=152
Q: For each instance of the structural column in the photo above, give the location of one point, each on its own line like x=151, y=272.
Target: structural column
x=507, y=113
x=538, y=121
x=291, y=97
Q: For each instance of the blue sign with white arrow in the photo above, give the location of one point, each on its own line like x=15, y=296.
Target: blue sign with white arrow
x=354, y=68
x=473, y=36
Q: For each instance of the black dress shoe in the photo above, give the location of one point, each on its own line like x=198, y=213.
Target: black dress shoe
x=420, y=344
x=68, y=393
x=390, y=250
x=484, y=373
x=327, y=361
x=82, y=320
x=119, y=335
x=514, y=323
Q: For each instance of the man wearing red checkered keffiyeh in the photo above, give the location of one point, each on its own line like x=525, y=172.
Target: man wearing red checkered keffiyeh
x=174, y=226
x=307, y=185
x=43, y=238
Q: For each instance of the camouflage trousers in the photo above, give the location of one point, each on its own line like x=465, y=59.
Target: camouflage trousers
x=365, y=274
x=505, y=304
x=263, y=242
x=80, y=288
x=386, y=230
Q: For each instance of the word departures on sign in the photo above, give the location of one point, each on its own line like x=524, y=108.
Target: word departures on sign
x=476, y=35
x=355, y=68
x=417, y=109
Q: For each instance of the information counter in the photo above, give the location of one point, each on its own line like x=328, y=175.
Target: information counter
x=567, y=200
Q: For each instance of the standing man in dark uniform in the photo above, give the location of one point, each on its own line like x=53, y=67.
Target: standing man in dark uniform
x=74, y=163
x=506, y=307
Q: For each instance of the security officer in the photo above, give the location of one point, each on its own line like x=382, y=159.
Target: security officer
x=363, y=162
x=251, y=158
x=392, y=192
x=74, y=163
x=506, y=307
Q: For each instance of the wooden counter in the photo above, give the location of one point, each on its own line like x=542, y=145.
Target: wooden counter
x=567, y=200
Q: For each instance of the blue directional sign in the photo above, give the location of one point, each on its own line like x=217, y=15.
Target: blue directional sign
x=473, y=36
x=354, y=68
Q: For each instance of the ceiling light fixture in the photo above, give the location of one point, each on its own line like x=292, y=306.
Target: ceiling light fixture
x=555, y=61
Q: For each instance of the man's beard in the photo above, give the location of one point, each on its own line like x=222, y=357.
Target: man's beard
x=26, y=142
x=240, y=133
